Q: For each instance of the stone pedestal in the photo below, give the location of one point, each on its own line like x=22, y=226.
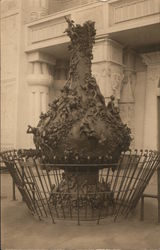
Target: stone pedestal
x=152, y=60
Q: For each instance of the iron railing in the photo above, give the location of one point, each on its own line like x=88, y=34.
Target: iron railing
x=81, y=191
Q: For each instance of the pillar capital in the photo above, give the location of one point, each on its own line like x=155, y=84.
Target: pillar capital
x=37, y=56
x=114, y=52
x=107, y=50
x=40, y=69
x=151, y=59
x=129, y=59
x=40, y=75
x=40, y=79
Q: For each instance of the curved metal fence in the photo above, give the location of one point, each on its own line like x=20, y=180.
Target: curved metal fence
x=81, y=191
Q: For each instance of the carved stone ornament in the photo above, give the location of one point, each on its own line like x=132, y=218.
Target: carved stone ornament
x=152, y=58
x=114, y=82
x=153, y=74
x=117, y=84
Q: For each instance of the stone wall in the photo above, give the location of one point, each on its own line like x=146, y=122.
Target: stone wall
x=10, y=26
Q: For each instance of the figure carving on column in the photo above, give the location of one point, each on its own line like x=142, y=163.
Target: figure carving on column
x=102, y=74
x=127, y=92
x=112, y=83
x=105, y=78
x=127, y=100
x=100, y=81
x=117, y=86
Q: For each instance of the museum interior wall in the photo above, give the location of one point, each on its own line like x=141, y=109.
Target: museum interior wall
x=35, y=63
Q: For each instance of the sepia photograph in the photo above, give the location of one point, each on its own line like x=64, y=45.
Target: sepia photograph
x=80, y=124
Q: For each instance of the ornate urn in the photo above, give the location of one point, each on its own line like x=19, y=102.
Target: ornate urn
x=79, y=129
x=78, y=126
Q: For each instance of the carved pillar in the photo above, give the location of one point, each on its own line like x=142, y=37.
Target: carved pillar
x=38, y=9
x=39, y=80
x=108, y=68
x=127, y=99
x=152, y=60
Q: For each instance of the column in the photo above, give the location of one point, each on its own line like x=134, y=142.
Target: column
x=60, y=77
x=107, y=67
x=61, y=70
x=152, y=60
x=38, y=9
x=127, y=98
x=40, y=80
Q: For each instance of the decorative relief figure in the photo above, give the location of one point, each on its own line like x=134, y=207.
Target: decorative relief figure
x=111, y=82
x=106, y=75
x=127, y=87
x=114, y=82
x=154, y=73
x=127, y=102
x=116, y=86
x=127, y=113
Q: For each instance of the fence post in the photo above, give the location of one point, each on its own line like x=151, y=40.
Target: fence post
x=13, y=190
x=158, y=192
x=142, y=208
x=23, y=180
